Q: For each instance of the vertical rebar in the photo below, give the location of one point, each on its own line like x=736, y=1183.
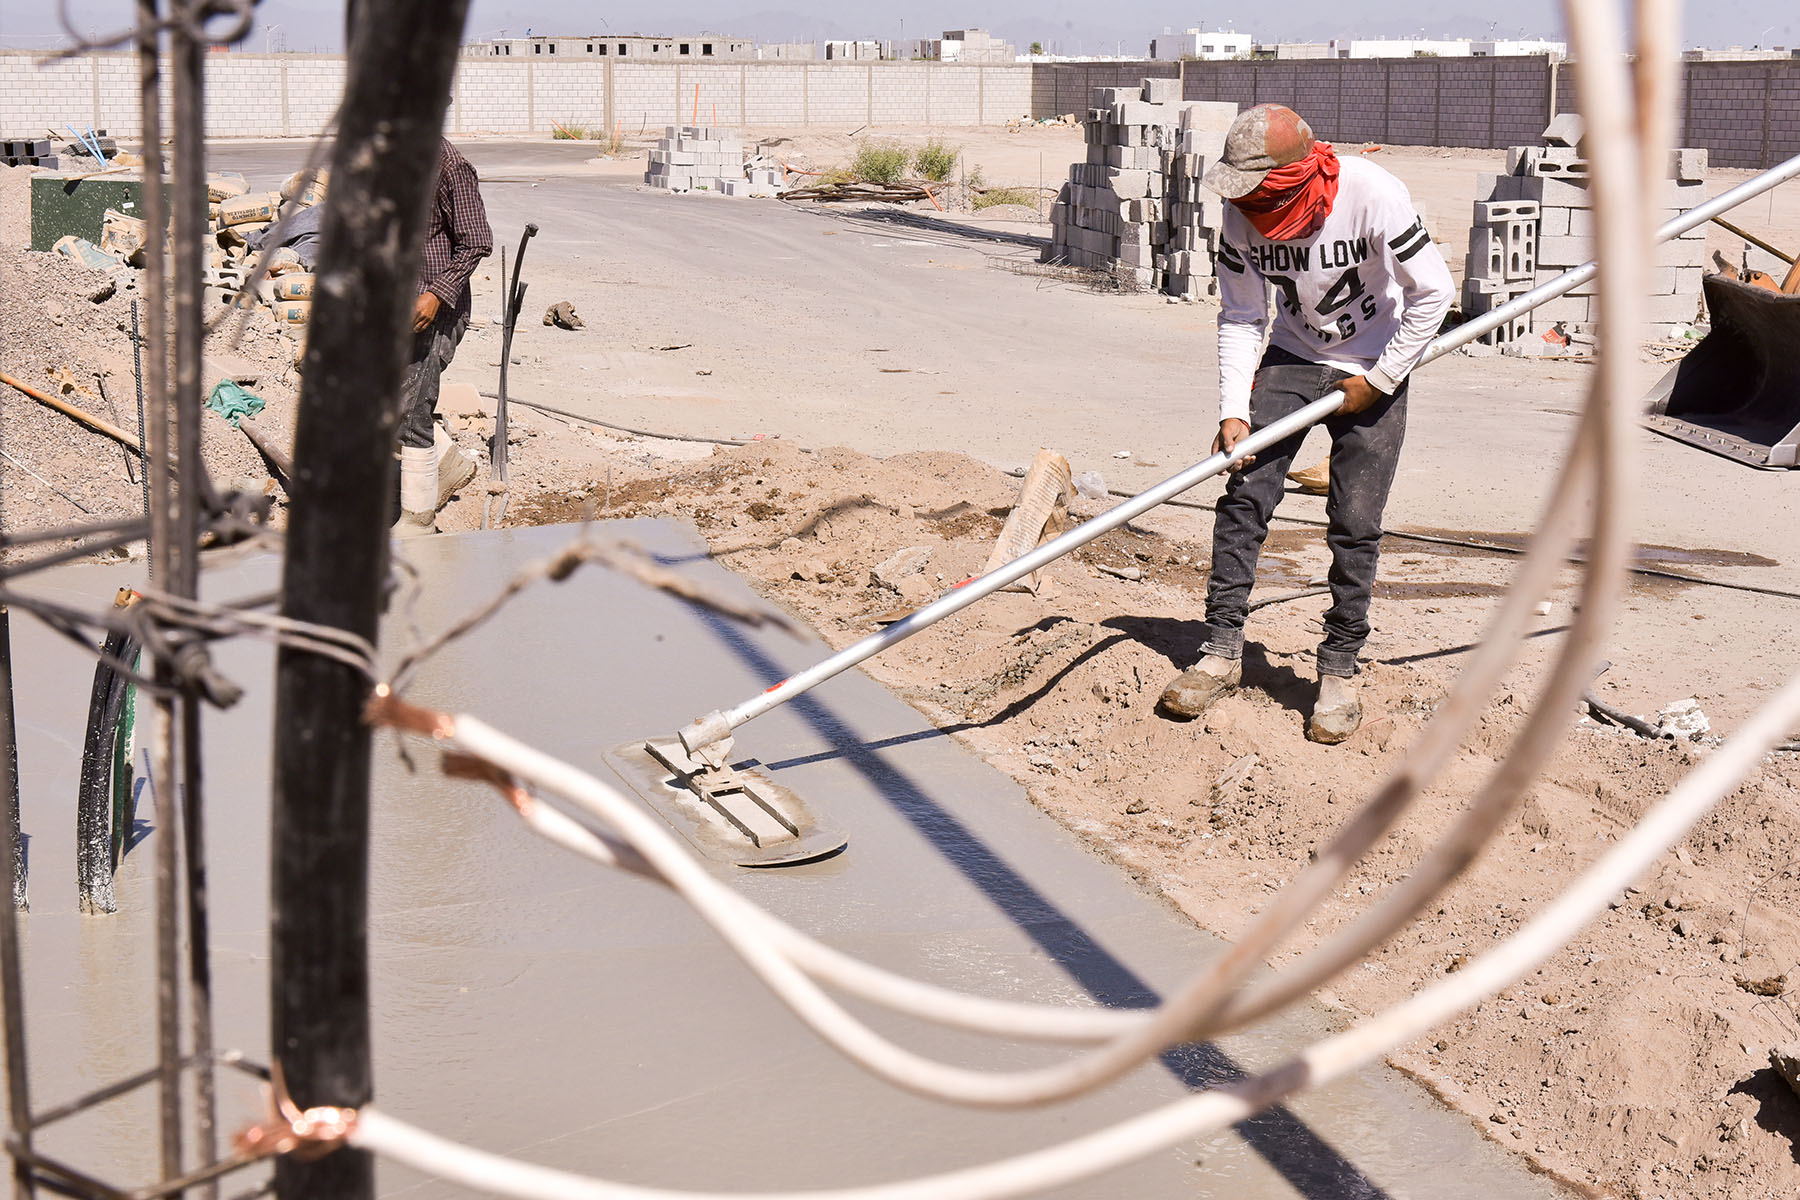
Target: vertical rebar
x=12, y=999
x=137, y=371
x=402, y=59
x=156, y=470
x=193, y=493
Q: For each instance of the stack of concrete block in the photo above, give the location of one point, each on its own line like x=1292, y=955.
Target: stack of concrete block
x=762, y=176
x=1548, y=184
x=28, y=152
x=1195, y=213
x=1134, y=206
x=696, y=156
x=1502, y=262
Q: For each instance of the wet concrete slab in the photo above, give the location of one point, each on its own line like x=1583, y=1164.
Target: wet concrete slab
x=528, y=1002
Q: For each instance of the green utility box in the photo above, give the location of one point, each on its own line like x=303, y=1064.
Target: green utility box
x=61, y=205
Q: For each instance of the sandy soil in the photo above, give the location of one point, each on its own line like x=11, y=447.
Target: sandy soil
x=66, y=330
x=1633, y=1064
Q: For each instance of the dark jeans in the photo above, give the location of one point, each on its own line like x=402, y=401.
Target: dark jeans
x=432, y=351
x=1364, y=451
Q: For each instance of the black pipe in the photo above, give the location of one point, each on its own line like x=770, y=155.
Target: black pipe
x=402, y=61
x=94, y=794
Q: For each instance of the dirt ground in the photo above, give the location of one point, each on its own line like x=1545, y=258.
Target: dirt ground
x=1634, y=1064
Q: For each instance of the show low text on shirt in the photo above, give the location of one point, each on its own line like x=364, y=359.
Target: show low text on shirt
x=1365, y=293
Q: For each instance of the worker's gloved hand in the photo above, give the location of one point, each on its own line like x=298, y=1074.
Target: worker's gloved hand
x=1359, y=394
x=425, y=311
x=1231, y=432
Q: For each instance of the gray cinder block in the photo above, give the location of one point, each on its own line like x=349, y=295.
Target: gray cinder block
x=1565, y=129
x=1162, y=91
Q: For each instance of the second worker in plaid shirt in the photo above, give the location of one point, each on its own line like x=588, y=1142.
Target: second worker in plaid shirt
x=457, y=237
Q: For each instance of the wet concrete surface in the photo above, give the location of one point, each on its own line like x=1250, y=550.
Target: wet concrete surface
x=527, y=1002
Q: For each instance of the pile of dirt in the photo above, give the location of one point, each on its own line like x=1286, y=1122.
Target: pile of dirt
x=66, y=330
x=1634, y=1063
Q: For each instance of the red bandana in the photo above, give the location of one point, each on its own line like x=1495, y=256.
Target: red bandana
x=1293, y=201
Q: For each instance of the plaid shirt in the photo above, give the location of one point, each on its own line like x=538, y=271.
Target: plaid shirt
x=457, y=235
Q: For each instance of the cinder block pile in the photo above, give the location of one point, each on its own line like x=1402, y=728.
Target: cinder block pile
x=1136, y=206
x=687, y=157
x=17, y=152
x=1537, y=221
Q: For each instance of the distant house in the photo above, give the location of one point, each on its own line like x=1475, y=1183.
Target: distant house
x=1194, y=43
x=853, y=51
x=702, y=47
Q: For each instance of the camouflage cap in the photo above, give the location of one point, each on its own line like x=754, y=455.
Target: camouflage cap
x=1259, y=140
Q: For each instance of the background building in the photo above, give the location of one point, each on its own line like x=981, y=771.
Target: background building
x=1193, y=43
x=705, y=46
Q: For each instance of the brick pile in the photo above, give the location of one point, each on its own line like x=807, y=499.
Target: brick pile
x=1537, y=221
x=1136, y=206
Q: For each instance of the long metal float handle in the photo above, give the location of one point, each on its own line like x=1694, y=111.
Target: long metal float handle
x=719, y=724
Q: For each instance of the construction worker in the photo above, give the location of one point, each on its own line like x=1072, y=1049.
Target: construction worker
x=1359, y=292
x=432, y=467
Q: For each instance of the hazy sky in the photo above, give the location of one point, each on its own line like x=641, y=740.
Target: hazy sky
x=1071, y=26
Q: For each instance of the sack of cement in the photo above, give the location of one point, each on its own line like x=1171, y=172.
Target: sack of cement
x=84, y=252
x=283, y=260
x=293, y=312
x=1040, y=514
x=297, y=190
x=225, y=185
x=295, y=286
x=123, y=235
x=246, y=210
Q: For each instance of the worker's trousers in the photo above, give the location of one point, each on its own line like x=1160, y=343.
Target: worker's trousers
x=432, y=351
x=1364, y=451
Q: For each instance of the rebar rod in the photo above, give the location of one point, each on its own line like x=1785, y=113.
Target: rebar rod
x=158, y=456
x=137, y=371
x=402, y=58
x=188, y=56
x=719, y=724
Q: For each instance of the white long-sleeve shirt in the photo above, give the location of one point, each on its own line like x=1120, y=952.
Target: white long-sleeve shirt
x=1365, y=294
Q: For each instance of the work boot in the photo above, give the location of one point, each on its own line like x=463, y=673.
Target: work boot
x=1338, y=712
x=454, y=469
x=1189, y=694
x=418, y=491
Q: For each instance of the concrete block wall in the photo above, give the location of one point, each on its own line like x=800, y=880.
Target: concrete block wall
x=838, y=95
x=1747, y=114
x=243, y=94
x=564, y=93
x=257, y=95
x=956, y=96
x=1006, y=93
x=34, y=99
x=720, y=89
x=1480, y=102
x=116, y=106
x=315, y=85
x=1058, y=88
x=1744, y=114
x=643, y=96
x=901, y=93
x=776, y=93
